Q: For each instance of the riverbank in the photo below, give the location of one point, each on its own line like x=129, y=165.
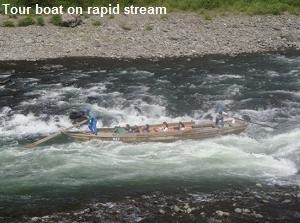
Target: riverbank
x=254, y=204
x=140, y=36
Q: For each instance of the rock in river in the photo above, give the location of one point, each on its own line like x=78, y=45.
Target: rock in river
x=238, y=210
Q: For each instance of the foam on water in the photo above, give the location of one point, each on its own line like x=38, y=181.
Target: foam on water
x=229, y=76
x=138, y=113
x=286, y=59
x=272, y=73
x=20, y=125
x=190, y=161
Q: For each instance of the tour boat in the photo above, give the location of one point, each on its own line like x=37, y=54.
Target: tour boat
x=156, y=132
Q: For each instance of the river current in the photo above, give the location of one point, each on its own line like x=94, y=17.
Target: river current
x=40, y=95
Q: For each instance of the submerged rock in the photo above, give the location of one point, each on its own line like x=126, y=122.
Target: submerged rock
x=257, y=215
x=219, y=213
x=286, y=201
x=222, y=213
x=238, y=210
x=213, y=220
x=226, y=213
x=35, y=219
x=176, y=208
x=188, y=210
x=246, y=210
x=162, y=211
x=186, y=206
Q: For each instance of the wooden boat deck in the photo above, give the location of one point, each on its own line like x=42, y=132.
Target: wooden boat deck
x=200, y=131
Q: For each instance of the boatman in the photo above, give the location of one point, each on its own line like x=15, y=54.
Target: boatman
x=92, y=124
x=220, y=117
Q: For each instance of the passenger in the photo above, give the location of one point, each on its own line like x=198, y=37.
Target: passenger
x=144, y=129
x=147, y=128
x=128, y=128
x=181, y=126
x=135, y=129
x=165, y=127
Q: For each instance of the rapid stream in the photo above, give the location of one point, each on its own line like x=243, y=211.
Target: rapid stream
x=40, y=95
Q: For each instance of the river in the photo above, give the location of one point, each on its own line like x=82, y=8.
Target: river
x=64, y=174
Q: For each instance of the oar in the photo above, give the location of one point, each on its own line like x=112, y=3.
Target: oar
x=264, y=125
x=53, y=135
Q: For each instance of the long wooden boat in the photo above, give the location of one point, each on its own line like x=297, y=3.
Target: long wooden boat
x=192, y=131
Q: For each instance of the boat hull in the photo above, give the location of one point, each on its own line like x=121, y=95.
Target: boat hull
x=197, y=132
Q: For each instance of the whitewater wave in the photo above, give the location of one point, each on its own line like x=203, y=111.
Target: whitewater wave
x=189, y=161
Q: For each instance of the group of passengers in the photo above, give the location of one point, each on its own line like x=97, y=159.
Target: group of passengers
x=220, y=119
x=136, y=129
x=219, y=122
x=163, y=128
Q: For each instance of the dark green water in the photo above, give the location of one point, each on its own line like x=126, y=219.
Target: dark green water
x=63, y=174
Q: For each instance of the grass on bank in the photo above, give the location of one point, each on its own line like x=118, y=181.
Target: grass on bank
x=12, y=16
x=40, y=20
x=97, y=23
x=27, y=21
x=56, y=20
x=23, y=21
x=245, y=6
x=8, y=23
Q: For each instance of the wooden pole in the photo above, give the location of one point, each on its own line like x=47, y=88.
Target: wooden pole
x=32, y=145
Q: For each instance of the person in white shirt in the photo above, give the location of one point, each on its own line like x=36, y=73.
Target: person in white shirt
x=220, y=118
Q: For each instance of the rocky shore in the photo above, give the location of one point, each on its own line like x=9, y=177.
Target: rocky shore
x=140, y=36
x=255, y=204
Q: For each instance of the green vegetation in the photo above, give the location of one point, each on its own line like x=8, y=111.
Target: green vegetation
x=8, y=23
x=86, y=16
x=12, y=16
x=244, y=6
x=97, y=23
x=27, y=21
x=148, y=28
x=207, y=15
x=40, y=21
x=56, y=20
